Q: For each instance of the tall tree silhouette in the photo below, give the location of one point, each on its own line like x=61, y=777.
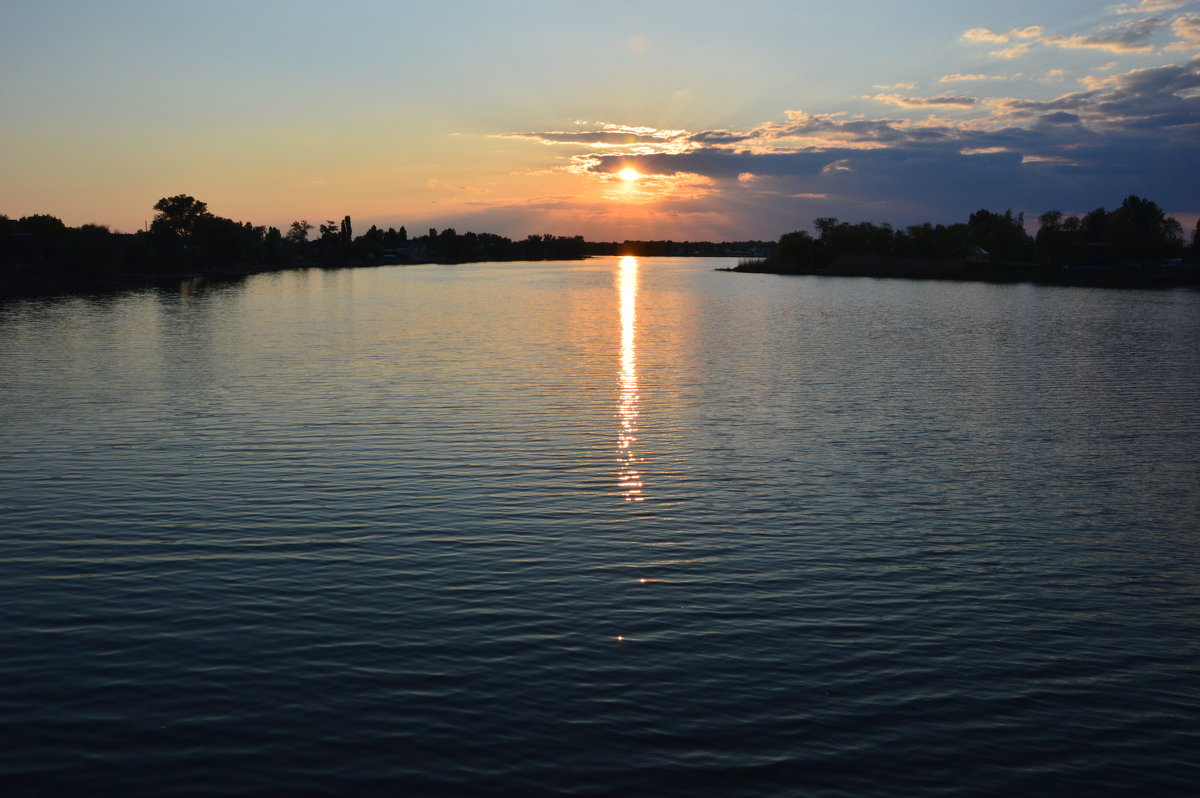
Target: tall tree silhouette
x=178, y=215
x=298, y=232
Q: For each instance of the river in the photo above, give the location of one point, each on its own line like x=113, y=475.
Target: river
x=613, y=527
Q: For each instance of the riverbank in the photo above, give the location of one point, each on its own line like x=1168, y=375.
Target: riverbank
x=25, y=281
x=1178, y=275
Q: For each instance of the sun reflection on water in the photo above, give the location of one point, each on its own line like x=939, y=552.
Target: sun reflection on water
x=627, y=410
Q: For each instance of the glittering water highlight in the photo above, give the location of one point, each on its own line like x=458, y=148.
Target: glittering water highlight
x=627, y=278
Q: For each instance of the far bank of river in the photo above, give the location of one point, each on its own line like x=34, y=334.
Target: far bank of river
x=1174, y=275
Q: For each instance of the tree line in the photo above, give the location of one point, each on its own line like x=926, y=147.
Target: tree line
x=1137, y=234
x=185, y=237
x=668, y=248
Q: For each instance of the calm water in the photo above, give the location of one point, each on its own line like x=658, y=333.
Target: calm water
x=603, y=528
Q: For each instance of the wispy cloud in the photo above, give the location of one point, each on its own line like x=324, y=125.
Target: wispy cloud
x=925, y=102
x=1099, y=82
x=958, y=77
x=1133, y=37
x=636, y=139
x=987, y=36
x=1048, y=159
x=1187, y=33
x=1016, y=51
x=1150, y=7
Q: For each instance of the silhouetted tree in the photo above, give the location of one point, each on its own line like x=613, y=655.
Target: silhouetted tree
x=1002, y=235
x=45, y=227
x=1054, y=243
x=394, y=239
x=273, y=248
x=298, y=232
x=798, y=247
x=177, y=216
x=1091, y=226
x=824, y=225
x=93, y=250
x=1140, y=231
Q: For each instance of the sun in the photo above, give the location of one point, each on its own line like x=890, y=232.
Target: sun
x=629, y=174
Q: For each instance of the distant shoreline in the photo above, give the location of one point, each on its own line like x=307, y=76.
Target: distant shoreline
x=959, y=270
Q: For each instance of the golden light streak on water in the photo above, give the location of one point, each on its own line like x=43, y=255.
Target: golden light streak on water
x=627, y=410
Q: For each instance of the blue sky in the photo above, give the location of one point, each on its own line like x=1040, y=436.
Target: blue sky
x=741, y=120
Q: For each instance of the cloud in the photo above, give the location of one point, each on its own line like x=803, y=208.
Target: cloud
x=1123, y=38
x=585, y=137
x=1015, y=37
x=1122, y=132
x=1057, y=160
x=1129, y=38
x=1187, y=33
x=957, y=77
x=608, y=135
x=1150, y=7
x=925, y=102
x=804, y=130
x=1060, y=118
x=1099, y=82
x=885, y=87
x=986, y=36
x=721, y=137
x=1073, y=151
x=1016, y=51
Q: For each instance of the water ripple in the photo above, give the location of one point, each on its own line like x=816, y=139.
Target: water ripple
x=600, y=529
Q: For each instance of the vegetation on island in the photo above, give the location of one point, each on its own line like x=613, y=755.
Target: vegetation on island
x=1136, y=244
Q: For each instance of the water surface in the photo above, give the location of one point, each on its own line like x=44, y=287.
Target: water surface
x=603, y=528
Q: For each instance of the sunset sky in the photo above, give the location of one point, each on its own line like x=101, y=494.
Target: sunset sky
x=739, y=120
